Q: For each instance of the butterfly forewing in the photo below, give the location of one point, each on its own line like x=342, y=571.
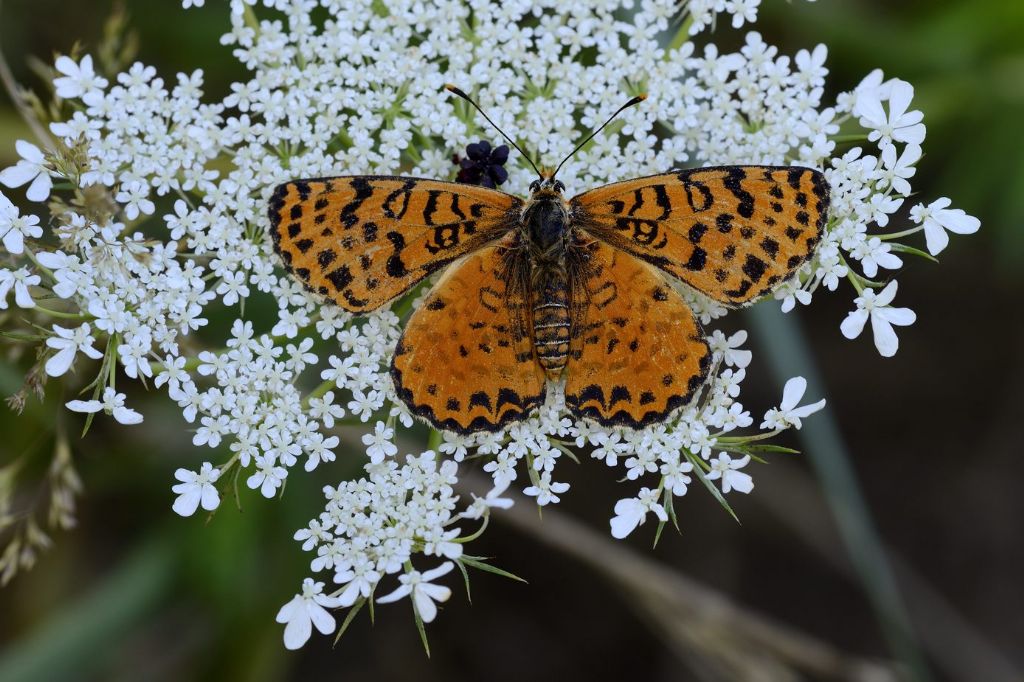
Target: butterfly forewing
x=361, y=241
x=637, y=353
x=733, y=232
x=466, y=360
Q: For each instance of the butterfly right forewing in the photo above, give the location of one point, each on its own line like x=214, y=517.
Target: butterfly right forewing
x=731, y=232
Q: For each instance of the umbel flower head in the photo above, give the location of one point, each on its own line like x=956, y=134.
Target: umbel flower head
x=483, y=165
x=359, y=94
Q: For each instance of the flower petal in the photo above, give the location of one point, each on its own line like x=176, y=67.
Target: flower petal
x=297, y=631
x=126, y=415
x=936, y=238
x=323, y=620
x=402, y=591
x=210, y=498
x=792, y=393
x=40, y=188
x=18, y=174
x=187, y=503
x=853, y=325
x=61, y=362
x=29, y=151
x=87, y=406
x=424, y=605
x=886, y=340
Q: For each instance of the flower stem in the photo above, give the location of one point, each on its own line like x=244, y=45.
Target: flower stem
x=318, y=392
x=65, y=316
x=897, y=235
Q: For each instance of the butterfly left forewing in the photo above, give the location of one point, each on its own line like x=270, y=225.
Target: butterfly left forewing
x=466, y=361
x=636, y=353
x=360, y=241
x=731, y=232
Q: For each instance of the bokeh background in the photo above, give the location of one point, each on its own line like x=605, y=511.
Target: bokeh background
x=895, y=537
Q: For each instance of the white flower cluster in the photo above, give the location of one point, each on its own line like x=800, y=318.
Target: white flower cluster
x=361, y=92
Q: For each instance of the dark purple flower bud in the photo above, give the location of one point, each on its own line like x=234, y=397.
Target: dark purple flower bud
x=482, y=165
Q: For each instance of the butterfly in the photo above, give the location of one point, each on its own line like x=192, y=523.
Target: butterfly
x=546, y=288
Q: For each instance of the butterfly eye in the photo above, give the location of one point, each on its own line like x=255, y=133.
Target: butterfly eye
x=559, y=187
x=534, y=186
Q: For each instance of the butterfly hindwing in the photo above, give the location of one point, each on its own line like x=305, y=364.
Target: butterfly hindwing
x=466, y=361
x=361, y=241
x=732, y=232
x=637, y=353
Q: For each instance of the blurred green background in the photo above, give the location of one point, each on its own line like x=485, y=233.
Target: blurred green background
x=933, y=437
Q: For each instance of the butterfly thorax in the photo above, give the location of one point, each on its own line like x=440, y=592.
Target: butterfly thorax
x=546, y=224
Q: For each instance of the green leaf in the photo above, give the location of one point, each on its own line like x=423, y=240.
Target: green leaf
x=903, y=248
x=349, y=617
x=420, y=627
x=465, y=577
x=670, y=509
x=22, y=337
x=771, y=448
x=657, y=534
x=476, y=562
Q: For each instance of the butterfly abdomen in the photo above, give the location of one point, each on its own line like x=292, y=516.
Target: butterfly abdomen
x=551, y=322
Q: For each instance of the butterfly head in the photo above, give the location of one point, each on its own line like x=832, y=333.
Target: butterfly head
x=546, y=184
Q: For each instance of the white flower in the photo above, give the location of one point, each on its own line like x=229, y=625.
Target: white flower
x=897, y=124
x=79, y=80
x=112, y=404
x=68, y=343
x=730, y=348
x=20, y=280
x=14, y=228
x=305, y=611
x=882, y=316
x=424, y=592
x=937, y=218
x=632, y=511
x=196, y=489
x=787, y=413
x=546, y=491
x=31, y=169
x=135, y=197
x=725, y=468
x=379, y=443
x=359, y=581
x=874, y=253
x=897, y=171
x=268, y=477
x=481, y=505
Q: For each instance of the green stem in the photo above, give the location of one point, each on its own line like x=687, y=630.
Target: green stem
x=853, y=137
x=741, y=440
x=478, y=533
x=42, y=268
x=897, y=235
x=318, y=392
x=65, y=316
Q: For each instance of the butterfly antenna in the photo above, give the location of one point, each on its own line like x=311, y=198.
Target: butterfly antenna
x=627, y=105
x=451, y=88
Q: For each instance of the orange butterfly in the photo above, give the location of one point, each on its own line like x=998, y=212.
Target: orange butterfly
x=547, y=287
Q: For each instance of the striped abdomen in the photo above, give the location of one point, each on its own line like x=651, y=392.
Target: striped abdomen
x=551, y=323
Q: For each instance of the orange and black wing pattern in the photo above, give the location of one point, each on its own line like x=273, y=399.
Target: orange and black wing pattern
x=466, y=360
x=636, y=352
x=732, y=232
x=361, y=241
